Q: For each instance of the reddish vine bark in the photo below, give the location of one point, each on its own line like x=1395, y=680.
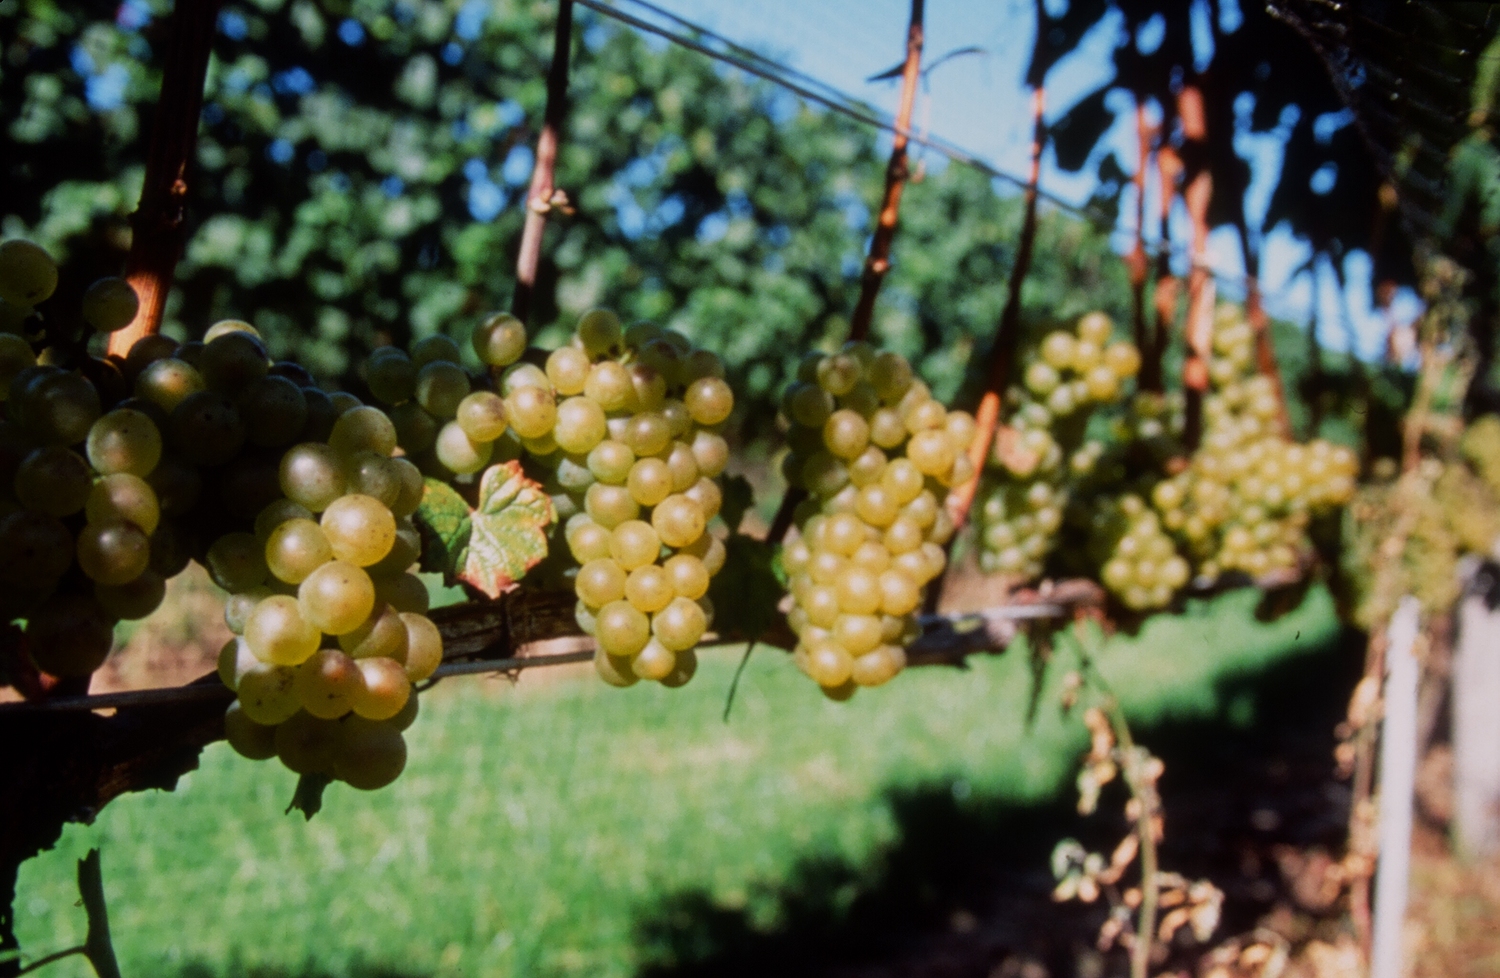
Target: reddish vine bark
x=159, y=223
x=1196, y=194
x=896, y=172
x=1164, y=301
x=543, y=194
x=1008, y=335
x=878, y=262
x=1136, y=263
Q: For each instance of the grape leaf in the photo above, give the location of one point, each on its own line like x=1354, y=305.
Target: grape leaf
x=745, y=592
x=738, y=497
x=445, y=523
x=508, y=530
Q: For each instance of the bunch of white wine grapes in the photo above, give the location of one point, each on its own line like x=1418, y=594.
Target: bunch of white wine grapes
x=626, y=423
x=1138, y=561
x=122, y=470
x=1038, y=462
x=877, y=455
x=1246, y=499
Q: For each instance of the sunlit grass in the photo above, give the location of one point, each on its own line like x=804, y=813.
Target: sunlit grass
x=534, y=825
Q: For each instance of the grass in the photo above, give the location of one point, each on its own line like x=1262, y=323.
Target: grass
x=537, y=827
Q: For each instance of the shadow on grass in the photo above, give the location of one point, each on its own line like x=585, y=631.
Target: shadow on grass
x=964, y=889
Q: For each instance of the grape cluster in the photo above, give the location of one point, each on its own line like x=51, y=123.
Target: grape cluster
x=1247, y=496
x=1045, y=450
x=876, y=454
x=1138, y=561
x=121, y=471
x=624, y=427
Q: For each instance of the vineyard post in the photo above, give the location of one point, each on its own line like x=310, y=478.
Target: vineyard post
x=1008, y=334
x=543, y=193
x=1196, y=195
x=878, y=262
x=159, y=224
x=1398, y=768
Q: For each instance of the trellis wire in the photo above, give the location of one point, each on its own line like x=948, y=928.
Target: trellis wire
x=207, y=691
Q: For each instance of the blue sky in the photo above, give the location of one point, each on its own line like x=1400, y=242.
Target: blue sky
x=980, y=104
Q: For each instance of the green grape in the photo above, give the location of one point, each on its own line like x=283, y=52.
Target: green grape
x=113, y=553
x=416, y=430
x=588, y=541
x=678, y=520
x=134, y=599
x=409, y=489
x=654, y=662
x=441, y=388
x=931, y=452
x=363, y=429
x=611, y=461
x=295, y=549
x=482, y=416
x=531, y=411
x=648, y=588
x=621, y=629
x=632, y=544
x=522, y=375
x=147, y=350
x=846, y=434
x=60, y=408
x=609, y=385
x=711, y=452
x=680, y=624
x=688, y=576
x=69, y=635
x=580, y=425
x=435, y=349
x=167, y=381
x=54, y=481
x=28, y=274
x=207, y=429
x=899, y=593
x=649, y=385
x=828, y=664
x=568, y=370
x=682, y=467
x=599, y=582
x=609, y=506
x=327, y=684
x=390, y=375
x=311, y=476
x=372, y=474
x=238, y=607
x=599, y=331
x=647, y=434
x=337, y=597
x=306, y=744
x=275, y=412
x=237, y=562
x=459, y=454
x=499, y=340
x=123, y=497
x=255, y=741
x=424, y=646
x=266, y=694
x=370, y=755
x=382, y=635
x=224, y=327
x=650, y=481
x=384, y=690
x=231, y=362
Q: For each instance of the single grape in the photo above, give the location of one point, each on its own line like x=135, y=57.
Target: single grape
x=167, y=381
x=610, y=385
x=482, y=416
x=60, y=408
x=295, y=549
x=611, y=461
x=459, y=453
x=369, y=755
x=363, y=428
x=499, y=340
x=255, y=741
x=424, y=646
x=53, y=480
x=230, y=363
x=306, y=744
x=441, y=388
x=28, y=274
x=266, y=694
x=435, y=349
x=609, y=506
x=689, y=578
x=650, y=481
x=680, y=624
x=113, y=553
x=600, y=331
x=678, y=520
x=337, y=597
x=384, y=689
x=648, y=588
x=621, y=629
x=123, y=497
x=828, y=664
x=69, y=635
x=312, y=476
x=599, y=582
x=647, y=433
x=568, y=370
x=532, y=411
x=327, y=684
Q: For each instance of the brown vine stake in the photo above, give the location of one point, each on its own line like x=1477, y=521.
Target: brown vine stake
x=878, y=262
x=543, y=194
x=159, y=223
x=1008, y=335
x=1152, y=377
x=1136, y=262
x=1199, y=333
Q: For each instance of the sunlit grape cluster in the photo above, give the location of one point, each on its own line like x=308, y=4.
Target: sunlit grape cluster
x=122, y=470
x=1045, y=449
x=625, y=424
x=1139, y=562
x=1246, y=498
x=877, y=455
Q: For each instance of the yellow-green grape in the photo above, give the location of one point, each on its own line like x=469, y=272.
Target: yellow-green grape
x=441, y=387
x=650, y=481
x=586, y=541
x=481, y=415
x=53, y=480
x=599, y=582
x=124, y=440
x=360, y=529
x=28, y=274
x=568, y=370
x=829, y=664
x=654, y=662
x=276, y=513
x=410, y=487
x=327, y=683
x=632, y=544
x=647, y=433
x=609, y=506
x=532, y=412
x=688, y=576
x=621, y=629
x=123, y=497
x=460, y=454
x=580, y=425
x=225, y=327
x=382, y=635
x=679, y=625
x=499, y=340
x=110, y=304
x=434, y=349
x=616, y=670
x=383, y=690
x=167, y=382
x=611, y=461
x=255, y=741
x=312, y=476
x=390, y=375
x=648, y=588
x=113, y=552
x=424, y=646
x=678, y=520
x=278, y=634
x=337, y=597
x=267, y=695
x=295, y=549
x=363, y=428
x=599, y=331
x=237, y=562
x=232, y=362
x=709, y=400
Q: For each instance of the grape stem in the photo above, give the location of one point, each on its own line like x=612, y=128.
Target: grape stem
x=896, y=173
x=159, y=223
x=543, y=194
x=1008, y=333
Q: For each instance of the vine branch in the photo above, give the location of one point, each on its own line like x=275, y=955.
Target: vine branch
x=159, y=224
x=543, y=193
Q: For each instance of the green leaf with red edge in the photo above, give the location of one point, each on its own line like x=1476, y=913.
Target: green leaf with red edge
x=508, y=533
x=745, y=592
x=445, y=522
